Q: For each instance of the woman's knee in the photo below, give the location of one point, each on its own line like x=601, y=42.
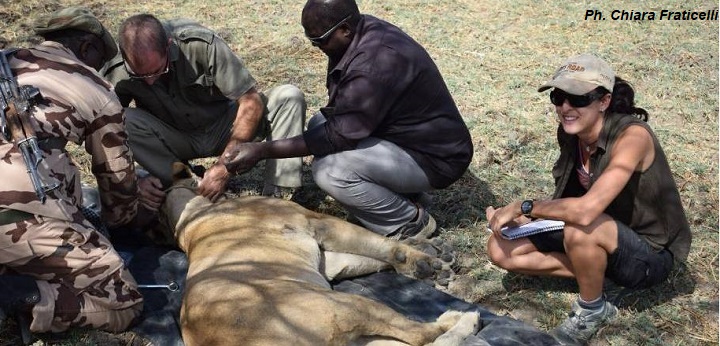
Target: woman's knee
x=497, y=255
x=602, y=233
x=575, y=236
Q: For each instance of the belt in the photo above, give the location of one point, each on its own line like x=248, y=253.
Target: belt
x=8, y=216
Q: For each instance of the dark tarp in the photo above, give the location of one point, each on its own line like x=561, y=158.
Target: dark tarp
x=415, y=299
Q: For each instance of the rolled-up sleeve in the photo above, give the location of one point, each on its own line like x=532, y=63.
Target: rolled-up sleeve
x=362, y=104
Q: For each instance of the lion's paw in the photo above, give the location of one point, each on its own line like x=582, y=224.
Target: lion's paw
x=435, y=247
x=458, y=326
x=436, y=265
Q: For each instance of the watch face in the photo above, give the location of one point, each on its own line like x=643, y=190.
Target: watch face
x=526, y=207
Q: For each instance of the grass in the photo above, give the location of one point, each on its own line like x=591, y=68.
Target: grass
x=494, y=54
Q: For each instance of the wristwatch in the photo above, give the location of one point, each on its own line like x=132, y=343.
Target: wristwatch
x=526, y=207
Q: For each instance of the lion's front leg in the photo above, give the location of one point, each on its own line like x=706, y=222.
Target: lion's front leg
x=429, y=261
x=425, y=259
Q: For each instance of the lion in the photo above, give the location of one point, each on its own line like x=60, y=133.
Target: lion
x=255, y=276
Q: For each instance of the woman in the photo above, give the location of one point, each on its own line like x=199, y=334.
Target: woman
x=614, y=191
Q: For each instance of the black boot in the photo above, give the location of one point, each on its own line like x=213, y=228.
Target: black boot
x=18, y=294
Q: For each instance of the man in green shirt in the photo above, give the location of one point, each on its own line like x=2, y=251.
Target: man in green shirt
x=194, y=98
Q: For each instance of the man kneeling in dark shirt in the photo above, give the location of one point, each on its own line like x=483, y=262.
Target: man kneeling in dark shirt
x=390, y=131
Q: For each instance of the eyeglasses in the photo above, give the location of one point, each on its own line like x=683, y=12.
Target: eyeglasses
x=558, y=97
x=133, y=75
x=320, y=40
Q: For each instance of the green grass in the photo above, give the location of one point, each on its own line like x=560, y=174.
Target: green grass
x=494, y=54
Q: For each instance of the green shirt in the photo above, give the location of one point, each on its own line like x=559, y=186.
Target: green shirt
x=204, y=81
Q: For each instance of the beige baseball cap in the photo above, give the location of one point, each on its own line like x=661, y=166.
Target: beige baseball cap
x=581, y=74
x=78, y=18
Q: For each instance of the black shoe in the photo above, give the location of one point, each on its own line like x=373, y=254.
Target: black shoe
x=18, y=294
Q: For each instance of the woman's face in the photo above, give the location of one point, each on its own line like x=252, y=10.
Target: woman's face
x=578, y=118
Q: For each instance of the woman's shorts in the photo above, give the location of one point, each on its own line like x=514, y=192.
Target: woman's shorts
x=634, y=264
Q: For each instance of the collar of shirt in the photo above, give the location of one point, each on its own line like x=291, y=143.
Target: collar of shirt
x=174, y=52
x=59, y=51
x=350, y=52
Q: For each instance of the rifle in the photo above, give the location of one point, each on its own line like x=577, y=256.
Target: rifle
x=16, y=107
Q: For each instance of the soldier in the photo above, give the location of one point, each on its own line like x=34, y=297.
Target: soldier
x=57, y=270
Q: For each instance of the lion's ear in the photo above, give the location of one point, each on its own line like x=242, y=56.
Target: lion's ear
x=180, y=171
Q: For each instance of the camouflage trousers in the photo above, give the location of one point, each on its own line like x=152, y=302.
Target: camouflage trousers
x=82, y=279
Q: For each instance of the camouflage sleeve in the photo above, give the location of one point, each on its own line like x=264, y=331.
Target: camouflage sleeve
x=112, y=165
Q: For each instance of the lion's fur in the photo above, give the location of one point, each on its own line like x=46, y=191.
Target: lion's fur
x=254, y=275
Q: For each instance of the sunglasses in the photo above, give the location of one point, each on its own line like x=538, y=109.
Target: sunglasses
x=558, y=98
x=133, y=75
x=320, y=40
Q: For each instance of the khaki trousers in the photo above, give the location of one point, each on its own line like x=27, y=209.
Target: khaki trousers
x=156, y=144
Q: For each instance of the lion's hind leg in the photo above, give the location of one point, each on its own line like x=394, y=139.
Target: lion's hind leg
x=365, y=318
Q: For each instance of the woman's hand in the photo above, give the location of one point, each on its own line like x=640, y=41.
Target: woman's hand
x=508, y=215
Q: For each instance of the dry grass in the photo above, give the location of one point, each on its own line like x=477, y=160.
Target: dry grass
x=493, y=55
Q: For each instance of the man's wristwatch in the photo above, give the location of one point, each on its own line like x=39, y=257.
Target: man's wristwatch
x=526, y=207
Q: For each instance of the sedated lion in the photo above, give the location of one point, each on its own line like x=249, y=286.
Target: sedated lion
x=255, y=276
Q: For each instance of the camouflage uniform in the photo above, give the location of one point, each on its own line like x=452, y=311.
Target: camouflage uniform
x=81, y=278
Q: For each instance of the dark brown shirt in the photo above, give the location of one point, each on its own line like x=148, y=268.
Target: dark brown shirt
x=649, y=203
x=387, y=86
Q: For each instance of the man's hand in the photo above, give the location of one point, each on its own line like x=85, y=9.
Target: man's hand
x=242, y=156
x=213, y=184
x=151, y=193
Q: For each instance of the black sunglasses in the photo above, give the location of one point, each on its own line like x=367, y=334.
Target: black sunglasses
x=320, y=40
x=558, y=97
